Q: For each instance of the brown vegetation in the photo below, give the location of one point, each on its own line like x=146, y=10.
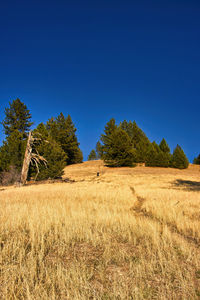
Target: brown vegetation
x=131, y=233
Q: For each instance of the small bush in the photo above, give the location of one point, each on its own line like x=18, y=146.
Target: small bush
x=10, y=177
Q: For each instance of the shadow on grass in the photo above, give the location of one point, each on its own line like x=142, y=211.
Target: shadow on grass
x=187, y=185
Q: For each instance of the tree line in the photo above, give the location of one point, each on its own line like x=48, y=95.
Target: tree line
x=55, y=140
x=126, y=145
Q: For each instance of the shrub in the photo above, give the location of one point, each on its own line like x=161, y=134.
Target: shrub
x=10, y=177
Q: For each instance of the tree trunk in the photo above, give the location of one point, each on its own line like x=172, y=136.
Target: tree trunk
x=27, y=160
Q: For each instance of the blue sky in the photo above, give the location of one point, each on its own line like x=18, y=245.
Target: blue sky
x=133, y=60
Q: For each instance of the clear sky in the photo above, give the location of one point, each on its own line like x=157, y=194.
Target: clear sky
x=133, y=60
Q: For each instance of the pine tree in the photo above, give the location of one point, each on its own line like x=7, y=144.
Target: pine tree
x=99, y=150
x=17, y=117
x=164, y=146
x=49, y=149
x=78, y=157
x=109, y=129
x=12, y=151
x=63, y=132
x=152, y=155
x=196, y=160
x=139, y=140
x=92, y=155
x=156, y=157
x=179, y=159
x=165, y=156
x=118, y=151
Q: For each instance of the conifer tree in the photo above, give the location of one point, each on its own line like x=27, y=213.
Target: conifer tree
x=99, y=150
x=92, y=155
x=139, y=140
x=17, y=117
x=118, y=151
x=179, y=159
x=196, y=160
x=165, y=156
x=164, y=146
x=109, y=129
x=63, y=132
x=12, y=151
x=153, y=155
x=16, y=125
x=49, y=149
x=156, y=157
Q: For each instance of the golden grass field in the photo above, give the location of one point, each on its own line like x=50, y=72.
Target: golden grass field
x=131, y=233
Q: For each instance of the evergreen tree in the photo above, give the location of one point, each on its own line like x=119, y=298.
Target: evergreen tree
x=12, y=151
x=78, y=156
x=105, y=138
x=92, y=155
x=157, y=157
x=17, y=117
x=164, y=146
x=153, y=155
x=48, y=148
x=99, y=150
x=139, y=140
x=63, y=132
x=196, y=160
x=165, y=156
x=179, y=159
x=118, y=151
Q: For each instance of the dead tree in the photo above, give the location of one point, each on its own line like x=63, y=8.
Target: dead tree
x=30, y=157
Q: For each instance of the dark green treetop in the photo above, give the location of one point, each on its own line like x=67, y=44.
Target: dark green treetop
x=139, y=140
x=196, y=160
x=179, y=159
x=17, y=117
x=119, y=151
x=99, y=150
x=164, y=146
x=63, y=132
x=12, y=151
x=156, y=157
x=49, y=149
x=92, y=155
x=110, y=127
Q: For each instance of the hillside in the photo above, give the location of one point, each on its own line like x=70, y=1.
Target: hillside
x=131, y=233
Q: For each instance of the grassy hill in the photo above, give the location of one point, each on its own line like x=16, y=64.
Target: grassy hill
x=131, y=233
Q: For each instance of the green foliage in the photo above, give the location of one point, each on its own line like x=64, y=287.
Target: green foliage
x=139, y=140
x=17, y=117
x=196, y=160
x=108, y=131
x=156, y=157
x=92, y=155
x=62, y=130
x=16, y=124
x=78, y=156
x=153, y=156
x=179, y=159
x=12, y=151
x=118, y=151
x=48, y=148
x=99, y=150
x=164, y=146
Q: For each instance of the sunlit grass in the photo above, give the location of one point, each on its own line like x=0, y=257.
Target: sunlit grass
x=128, y=234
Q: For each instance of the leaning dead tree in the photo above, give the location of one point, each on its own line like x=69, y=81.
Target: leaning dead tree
x=31, y=158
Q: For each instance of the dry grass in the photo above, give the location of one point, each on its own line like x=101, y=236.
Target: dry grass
x=128, y=234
